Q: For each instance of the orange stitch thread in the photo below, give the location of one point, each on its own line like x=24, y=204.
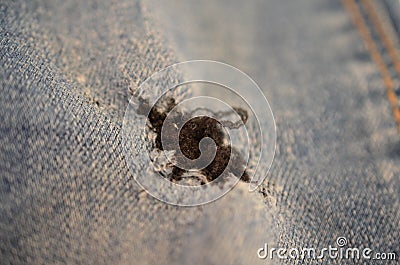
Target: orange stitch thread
x=375, y=55
x=381, y=32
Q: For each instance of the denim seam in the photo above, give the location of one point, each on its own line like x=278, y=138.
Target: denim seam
x=377, y=56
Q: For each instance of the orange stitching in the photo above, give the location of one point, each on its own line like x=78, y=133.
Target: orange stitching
x=376, y=56
x=381, y=32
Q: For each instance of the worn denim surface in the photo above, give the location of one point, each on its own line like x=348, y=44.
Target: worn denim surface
x=67, y=71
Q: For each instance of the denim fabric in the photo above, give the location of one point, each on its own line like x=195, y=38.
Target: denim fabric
x=336, y=168
x=67, y=71
x=394, y=11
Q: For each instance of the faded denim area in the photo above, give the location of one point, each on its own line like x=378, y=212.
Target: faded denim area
x=68, y=69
